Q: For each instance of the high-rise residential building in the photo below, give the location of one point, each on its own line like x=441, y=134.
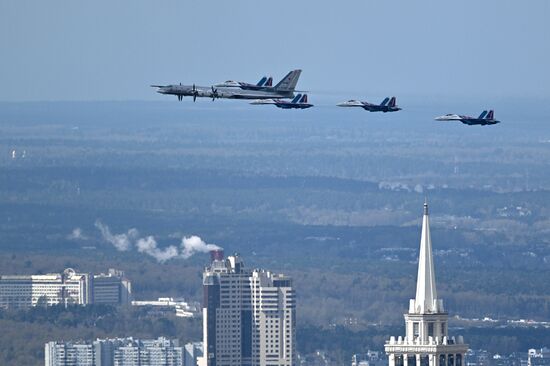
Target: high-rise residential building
x=115, y=352
x=426, y=342
x=111, y=288
x=67, y=288
x=69, y=353
x=191, y=353
x=249, y=316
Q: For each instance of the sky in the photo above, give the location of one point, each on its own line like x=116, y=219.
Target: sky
x=113, y=50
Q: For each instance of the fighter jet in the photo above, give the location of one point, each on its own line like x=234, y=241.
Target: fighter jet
x=484, y=118
x=382, y=107
x=299, y=102
x=264, y=84
x=284, y=89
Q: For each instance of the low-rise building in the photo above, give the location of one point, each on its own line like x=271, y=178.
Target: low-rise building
x=111, y=288
x=370, y=358
x=67, y=288
x=539, y=357
x=169, y=305
x=478, y=357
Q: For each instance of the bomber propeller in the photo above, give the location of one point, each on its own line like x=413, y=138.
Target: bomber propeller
x=195, y=93
x=214, y=93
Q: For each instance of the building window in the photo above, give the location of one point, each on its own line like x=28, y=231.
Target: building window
x=451, y=360
x=411, y=360
x=442, y=360
x=430, y=329
x=458, y=360
x=399, y=360
x=425, y=360
x=416, y=329
x=443, y=329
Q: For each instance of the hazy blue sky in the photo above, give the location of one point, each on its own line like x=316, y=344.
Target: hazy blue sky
x=99, y=50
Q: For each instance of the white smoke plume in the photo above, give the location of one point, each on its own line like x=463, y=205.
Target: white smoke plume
x=122, y=242
x=193, y=244
x=77, y=234
x=148, y=245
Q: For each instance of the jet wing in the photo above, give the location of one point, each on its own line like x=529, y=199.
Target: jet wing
x=351, y=103
x=263, y=101
x=240, y=94
x=448, y=117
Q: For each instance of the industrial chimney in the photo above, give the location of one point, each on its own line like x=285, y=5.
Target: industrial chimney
x=216, y=255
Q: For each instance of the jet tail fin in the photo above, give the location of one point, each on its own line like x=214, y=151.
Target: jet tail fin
x=392, y=102
x=482, y=115
x=262, y=81
x=296, y=99
x=289, y=81
x=269, y=82
x=490, y=115
x=385, y=101
x=304, y=99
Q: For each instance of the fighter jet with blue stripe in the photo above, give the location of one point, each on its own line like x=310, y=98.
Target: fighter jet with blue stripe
x=484, y=118
x=299, y=102
x=265, y=83
x=236, y=90
x=382, y=107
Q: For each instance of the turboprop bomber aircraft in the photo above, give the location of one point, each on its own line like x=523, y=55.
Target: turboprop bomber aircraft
x=235, y=90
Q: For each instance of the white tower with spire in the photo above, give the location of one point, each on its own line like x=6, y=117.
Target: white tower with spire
x=426, y=342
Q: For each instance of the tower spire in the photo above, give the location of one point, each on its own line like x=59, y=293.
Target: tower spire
x=426, y=341
x=426, y=293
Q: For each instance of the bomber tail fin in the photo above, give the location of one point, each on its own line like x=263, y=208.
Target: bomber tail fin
x=392, y=102
x=289, y=81
x=482, y=115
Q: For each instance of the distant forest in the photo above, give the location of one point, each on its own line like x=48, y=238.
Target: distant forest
x=334, y=200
